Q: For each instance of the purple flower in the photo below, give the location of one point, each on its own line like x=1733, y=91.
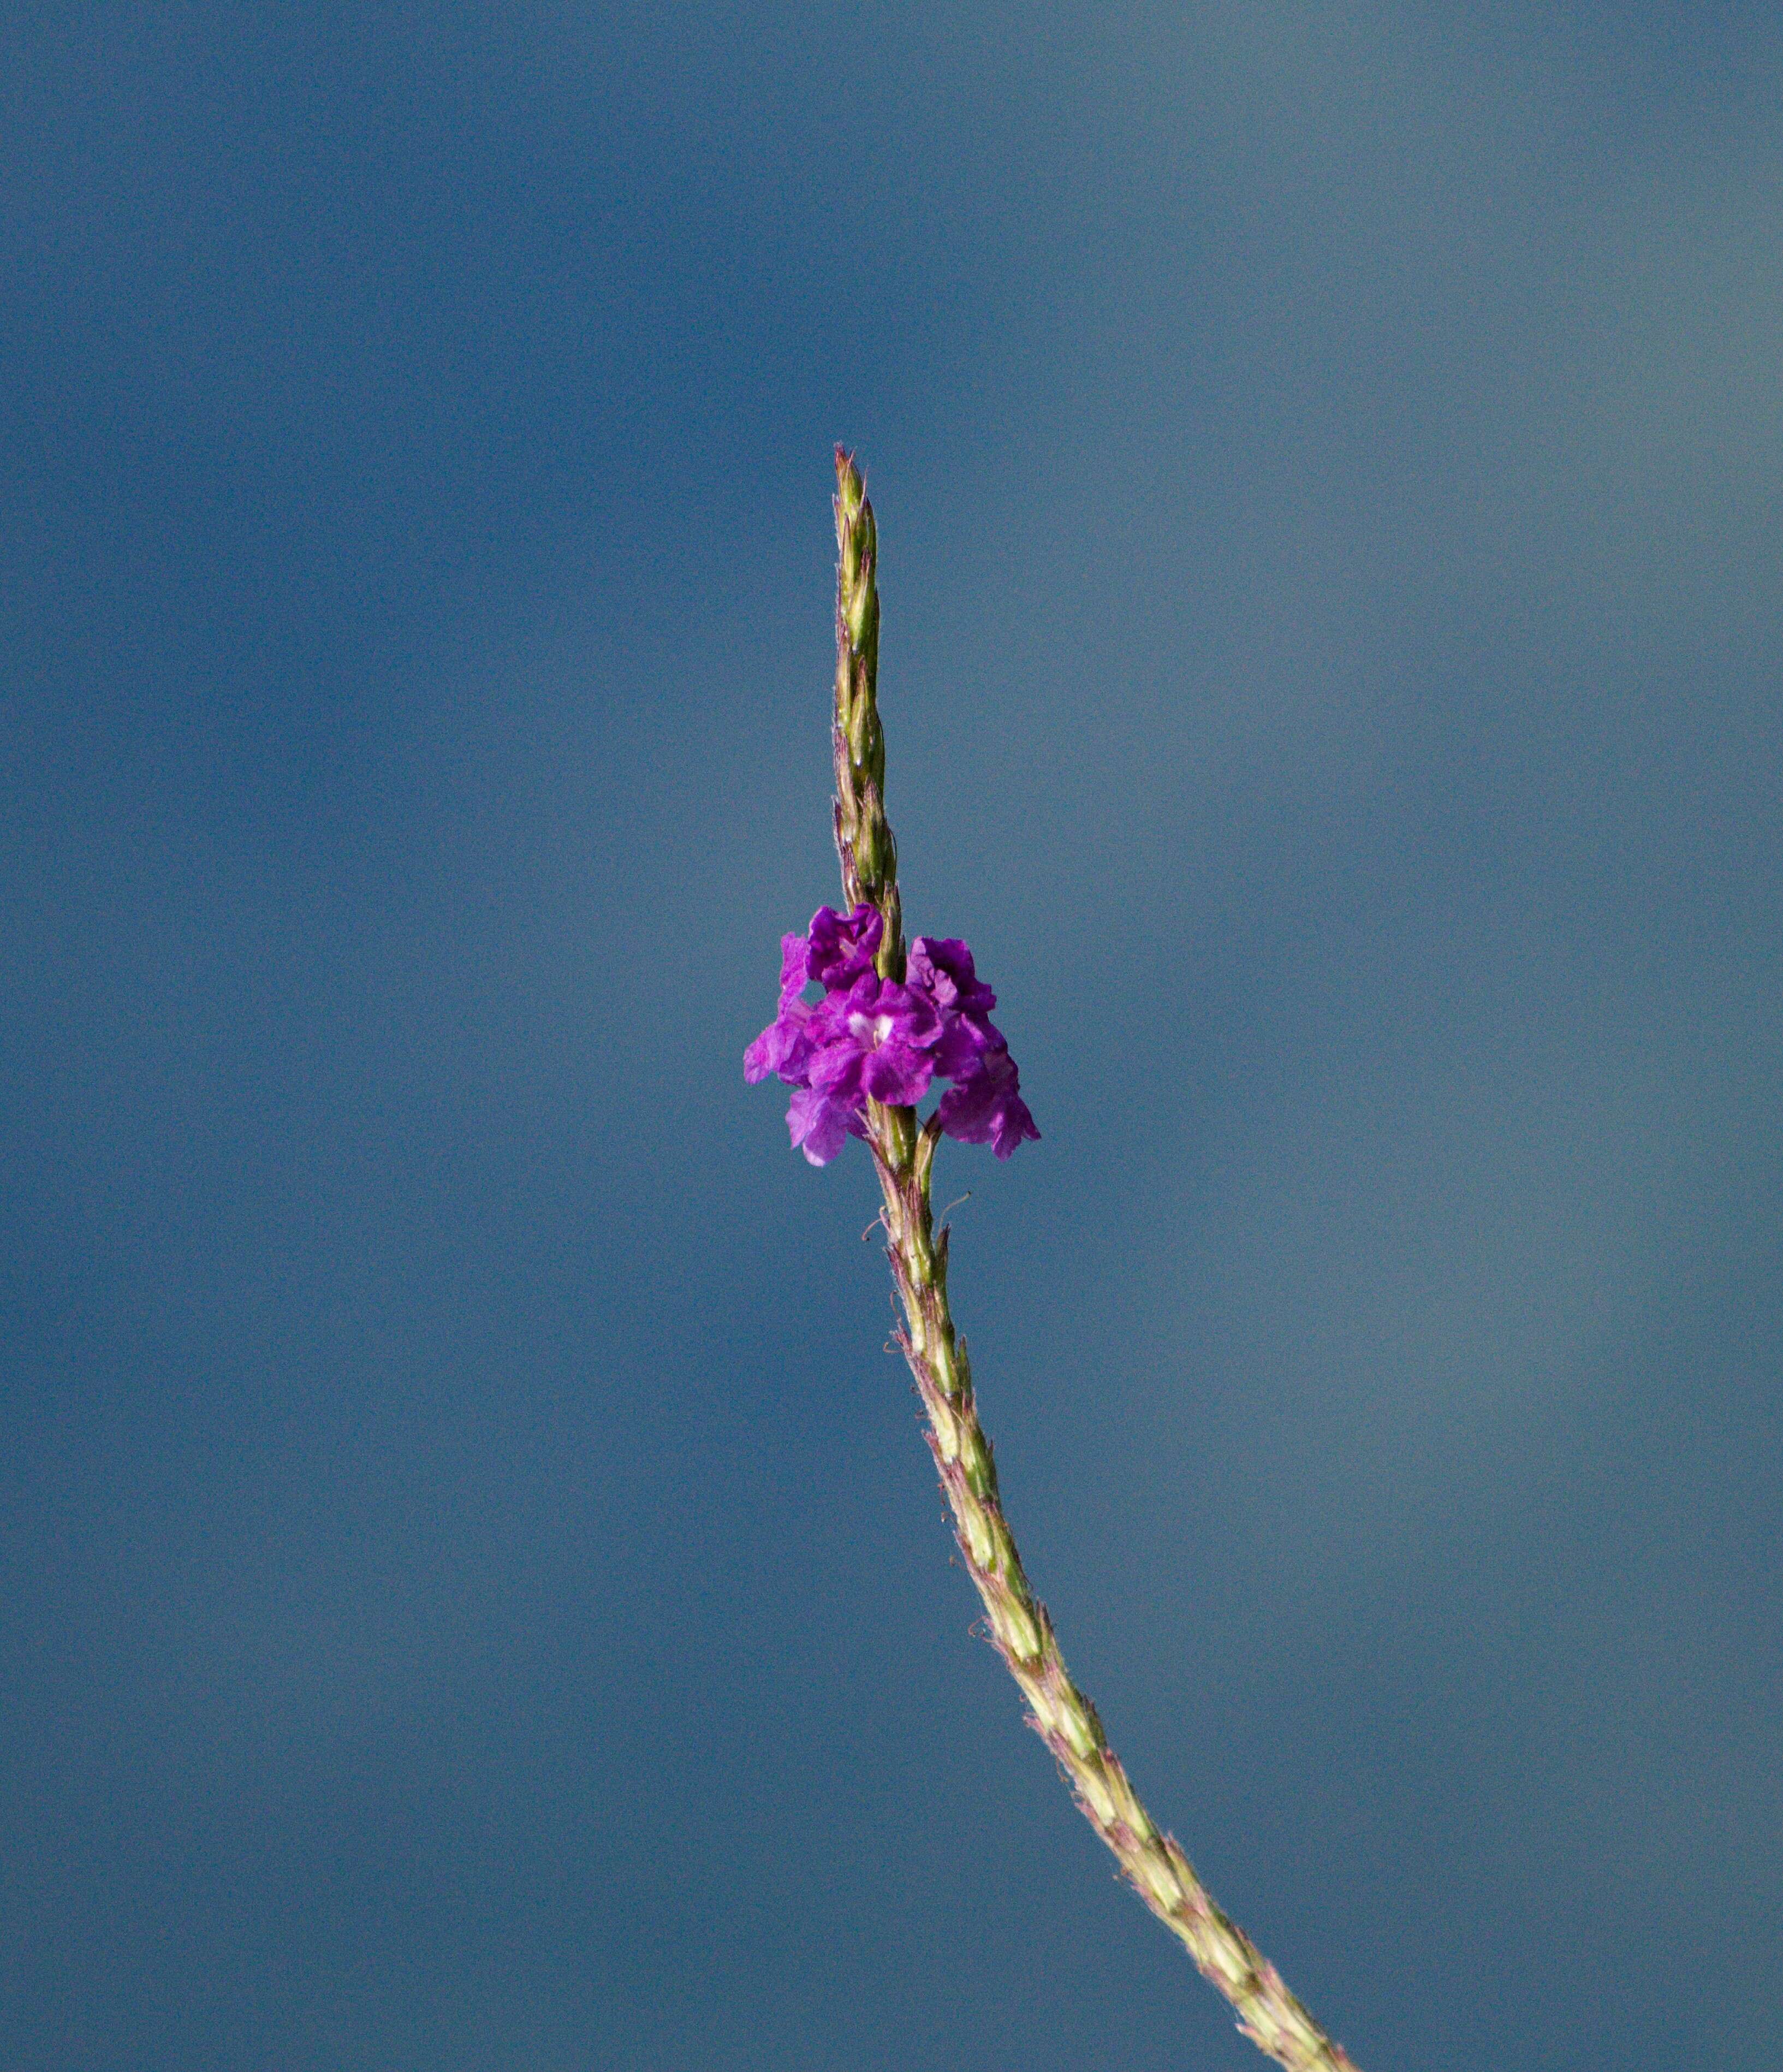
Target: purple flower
x=819, y=1123
x=986, y=1106
x=784, y=1046
x=835, y=953
x=842, y=951
x=877, y=1038
x=942, y=970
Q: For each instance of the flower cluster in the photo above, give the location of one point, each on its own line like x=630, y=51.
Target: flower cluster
x=887, y=1038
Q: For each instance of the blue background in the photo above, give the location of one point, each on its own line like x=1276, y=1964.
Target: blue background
x=472, y=1593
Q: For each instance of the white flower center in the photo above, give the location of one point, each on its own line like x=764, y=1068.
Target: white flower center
x=870, y=1030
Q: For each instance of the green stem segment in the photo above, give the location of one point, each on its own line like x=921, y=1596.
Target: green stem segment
x=1065, y=1719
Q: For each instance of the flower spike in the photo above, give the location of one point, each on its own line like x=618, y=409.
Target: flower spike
x=890, y=1023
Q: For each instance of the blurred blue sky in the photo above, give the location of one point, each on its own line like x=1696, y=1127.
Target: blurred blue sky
x=472, y=1593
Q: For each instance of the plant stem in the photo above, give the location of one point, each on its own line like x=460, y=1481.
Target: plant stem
x=1062, y=1716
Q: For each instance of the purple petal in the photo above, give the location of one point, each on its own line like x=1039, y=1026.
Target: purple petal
x=835, y=1070
x=818, y=1124
x=758, y=1058
x=963, y=1041
x=897, y=1074
x=794, y=967
x=785, y=1046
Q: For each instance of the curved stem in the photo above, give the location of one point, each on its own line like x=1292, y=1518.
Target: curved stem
x=1063, y=1717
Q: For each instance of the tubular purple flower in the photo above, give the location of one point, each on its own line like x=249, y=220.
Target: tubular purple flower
x=986, y=1107
x=941, y=969
x=842, y=950
x=878, y=1040
x=784, y=1045
x=819, y=1124
x=836, y=952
